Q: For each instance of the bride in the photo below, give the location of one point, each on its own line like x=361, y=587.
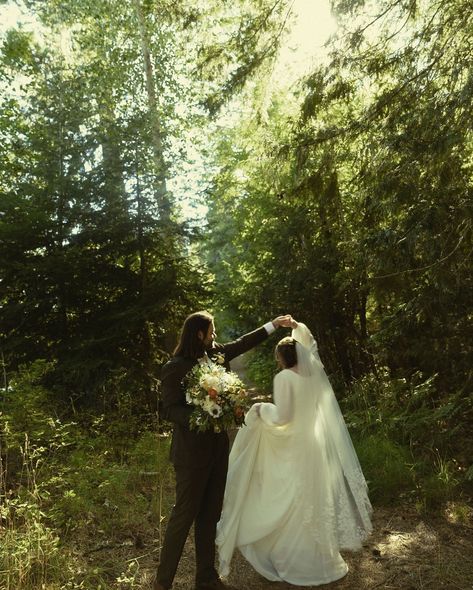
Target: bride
x=295, y=491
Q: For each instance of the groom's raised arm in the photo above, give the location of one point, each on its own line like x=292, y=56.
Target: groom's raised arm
x=252, y=339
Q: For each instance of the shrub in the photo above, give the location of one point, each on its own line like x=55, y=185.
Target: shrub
x=30, y=555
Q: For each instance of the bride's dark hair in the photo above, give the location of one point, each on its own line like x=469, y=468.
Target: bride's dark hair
x=190, y=345
x=286, y=352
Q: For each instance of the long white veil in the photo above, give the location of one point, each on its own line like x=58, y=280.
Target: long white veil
x=346, y=494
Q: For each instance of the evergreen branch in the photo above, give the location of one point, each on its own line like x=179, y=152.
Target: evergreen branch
x=359, y=125
x=426, y=267
x=379, y=16
x=265, y=19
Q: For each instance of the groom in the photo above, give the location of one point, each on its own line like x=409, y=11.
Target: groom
x=200, y=459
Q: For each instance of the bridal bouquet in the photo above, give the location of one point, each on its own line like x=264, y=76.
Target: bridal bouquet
x=219, y=398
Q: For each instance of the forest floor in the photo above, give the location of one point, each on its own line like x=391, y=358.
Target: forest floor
x=405, y=552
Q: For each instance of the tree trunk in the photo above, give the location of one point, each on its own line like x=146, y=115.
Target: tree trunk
x=59, y=250
x=146, y=335
x=161, y=192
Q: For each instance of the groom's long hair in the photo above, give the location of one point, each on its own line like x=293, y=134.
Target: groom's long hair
x=190, y=345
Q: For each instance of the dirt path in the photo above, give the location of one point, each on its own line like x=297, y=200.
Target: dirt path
x=405, y=552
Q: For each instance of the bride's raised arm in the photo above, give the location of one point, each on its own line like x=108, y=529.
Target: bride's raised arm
x=302, y=334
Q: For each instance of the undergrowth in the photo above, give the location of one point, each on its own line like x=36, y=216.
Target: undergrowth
x=97, y=482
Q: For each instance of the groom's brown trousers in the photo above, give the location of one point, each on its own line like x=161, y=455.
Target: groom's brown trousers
x=199, y=499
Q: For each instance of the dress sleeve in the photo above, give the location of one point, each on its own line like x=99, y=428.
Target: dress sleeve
x=281, y=412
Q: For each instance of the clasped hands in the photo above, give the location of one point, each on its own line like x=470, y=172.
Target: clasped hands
x=284, y=321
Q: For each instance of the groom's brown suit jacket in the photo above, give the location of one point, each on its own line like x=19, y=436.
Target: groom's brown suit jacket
x=190, y=448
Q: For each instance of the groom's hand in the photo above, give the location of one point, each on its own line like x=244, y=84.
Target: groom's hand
x=283, y=321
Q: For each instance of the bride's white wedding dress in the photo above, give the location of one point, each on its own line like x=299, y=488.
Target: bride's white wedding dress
x=295, y=491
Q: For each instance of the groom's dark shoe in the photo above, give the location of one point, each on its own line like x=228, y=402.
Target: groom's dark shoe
x=157, y=586
x=214, y=585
